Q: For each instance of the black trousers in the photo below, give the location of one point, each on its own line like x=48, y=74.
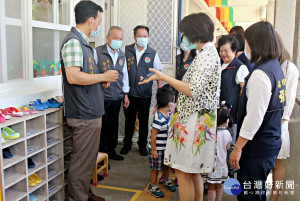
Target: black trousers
x=251, y=171
x=110, y=126
x=140, y=106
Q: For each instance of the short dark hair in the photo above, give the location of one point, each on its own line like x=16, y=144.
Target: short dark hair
x=135, y=30
x=241, y=41
x=197, y=27
x=225, y=39
x=223, y=114
x=262, y=41
x=164, y=96
x=86, y=9
x=237, y=30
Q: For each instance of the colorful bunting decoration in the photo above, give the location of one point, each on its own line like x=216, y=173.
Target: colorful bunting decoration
x=59, y=67
x=52, y=67
x=35, y=68
x=43, y=67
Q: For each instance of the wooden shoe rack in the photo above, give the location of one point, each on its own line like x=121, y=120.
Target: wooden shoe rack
x=41, y=138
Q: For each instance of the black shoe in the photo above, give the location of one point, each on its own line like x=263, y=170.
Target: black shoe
x=93, y=197
x=116, y=157
x=30, y=163
x=143, y=152
x=6, y=153
x=125, y=150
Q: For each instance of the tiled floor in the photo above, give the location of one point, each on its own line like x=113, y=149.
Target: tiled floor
x=127, y=179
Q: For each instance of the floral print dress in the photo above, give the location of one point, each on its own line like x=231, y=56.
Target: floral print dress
x=191, y=143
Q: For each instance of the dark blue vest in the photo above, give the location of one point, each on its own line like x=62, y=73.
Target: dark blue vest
x=82, y=102
x=243, y=58
x=105, y=63
x=136, y=71
x=230, y=90
x=183, y=66
x=267, y=140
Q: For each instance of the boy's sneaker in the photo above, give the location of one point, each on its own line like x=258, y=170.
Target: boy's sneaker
x=155, y=191
x=168, y=184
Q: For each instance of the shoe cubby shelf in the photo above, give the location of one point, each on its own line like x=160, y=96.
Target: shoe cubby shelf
x=39, y=145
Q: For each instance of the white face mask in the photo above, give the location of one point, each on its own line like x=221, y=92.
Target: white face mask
x=185, y=49
x=247, y=55
x=172, y=106
x=142, y=42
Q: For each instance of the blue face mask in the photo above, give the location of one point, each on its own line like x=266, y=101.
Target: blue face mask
x=188, y=45
x=116, y=44
x=95, y=33
x=142, y=42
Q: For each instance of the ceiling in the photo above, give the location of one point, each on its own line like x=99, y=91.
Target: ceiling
x=247, y=3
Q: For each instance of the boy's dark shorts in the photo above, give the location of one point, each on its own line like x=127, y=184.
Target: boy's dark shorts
x=156, y=164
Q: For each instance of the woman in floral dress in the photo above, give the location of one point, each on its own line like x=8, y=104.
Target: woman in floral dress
x=192, y=135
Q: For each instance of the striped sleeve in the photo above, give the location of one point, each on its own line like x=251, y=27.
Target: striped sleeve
x=157, y=124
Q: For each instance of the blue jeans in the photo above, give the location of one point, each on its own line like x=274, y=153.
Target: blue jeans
x=251, y=170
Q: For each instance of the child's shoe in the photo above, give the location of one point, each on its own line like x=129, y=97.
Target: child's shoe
x=56, y=102
x=168, y=184
x=30, y=163
x=36, y=178
x=31, y=181
x=36, y=105
x=7, y=154
x=42, y=104
x=11, y=111
x=155, y=191
x=2, y=118
x=4, y=114
x=8, y=133
x=32, y=197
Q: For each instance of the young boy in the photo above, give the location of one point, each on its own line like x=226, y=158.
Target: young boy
x=158, y=140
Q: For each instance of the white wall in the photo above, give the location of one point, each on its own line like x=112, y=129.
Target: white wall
x=246, y=14
x=271, y=12
x=285, y=22
x=20, y=93
x=193, y=7
x=292, y=165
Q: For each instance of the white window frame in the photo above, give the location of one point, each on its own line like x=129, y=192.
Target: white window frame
x=27, y=25
x=14, y=88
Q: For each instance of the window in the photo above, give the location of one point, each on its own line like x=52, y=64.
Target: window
x=14, y=52
x=46, y=55
x=31, y=33
x=49, y=27
x=11, y=40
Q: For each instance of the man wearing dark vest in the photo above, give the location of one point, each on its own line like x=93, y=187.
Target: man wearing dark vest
x=110, y=57
x=83, y=98
x=139, y=57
